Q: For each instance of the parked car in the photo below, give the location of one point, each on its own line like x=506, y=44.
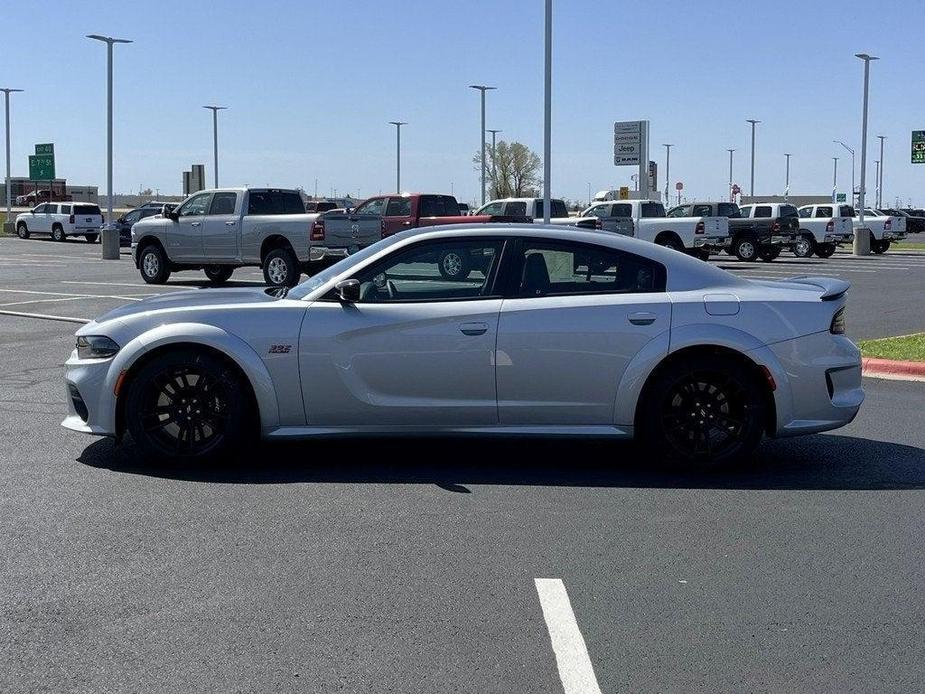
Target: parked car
x=41, y=196
x=464, y=208
x=517, y=208
x=639, y=342
x=740, y=229
x=823, y=228
x=777, y=226
x=149, y=209
x=914, y=223
x=648, y=221
x=61, y=220
x=220, y=230
x=320, y=205
x=884, y=229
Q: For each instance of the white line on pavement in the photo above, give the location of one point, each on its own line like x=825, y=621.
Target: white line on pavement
x=68, y=294
x=44, y=316
x=42, y=301
x=575, y=669
x=158, y=288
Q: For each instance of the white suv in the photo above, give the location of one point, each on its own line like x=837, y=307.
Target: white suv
x=61, y=219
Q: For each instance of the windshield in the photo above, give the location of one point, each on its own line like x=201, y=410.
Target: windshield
x=341, y=267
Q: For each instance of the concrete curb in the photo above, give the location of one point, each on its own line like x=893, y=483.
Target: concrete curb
x=891, y=368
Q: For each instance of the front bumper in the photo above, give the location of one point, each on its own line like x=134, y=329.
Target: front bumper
x=90, y=400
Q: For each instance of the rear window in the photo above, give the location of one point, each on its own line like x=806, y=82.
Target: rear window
x=762, y=211
x=728, y=209
x=439, y=206
x=87, y=209
x=274, y=202
x=649, y=210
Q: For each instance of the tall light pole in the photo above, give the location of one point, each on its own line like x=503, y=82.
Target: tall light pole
x=862, y=239
x=880, y=174
x=9, y=200
x=787, y=179
x=839, y=142
x=752, y=186
x=547, y=115
x=667, y=168
x=877, y=180
x=109, y=41
x=215, y=110
x=731, y=196
x=835, y=180
x=397, y=124
x=482, y=88
x=494, y=166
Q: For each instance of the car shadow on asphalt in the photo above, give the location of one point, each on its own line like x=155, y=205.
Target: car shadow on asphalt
x=823, y=462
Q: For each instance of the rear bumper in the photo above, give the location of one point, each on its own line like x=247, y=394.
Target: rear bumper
x=712, y=242
x=839, y=239
x=316, y=253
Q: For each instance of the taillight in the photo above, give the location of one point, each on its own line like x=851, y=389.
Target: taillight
x=70, y=219
x=838, y=322
x=700, y=228
x=317, y=233
x=888, y=224
x=830, y=227
x=775, y=226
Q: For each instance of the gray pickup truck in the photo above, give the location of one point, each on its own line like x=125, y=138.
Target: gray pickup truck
x=220, y=230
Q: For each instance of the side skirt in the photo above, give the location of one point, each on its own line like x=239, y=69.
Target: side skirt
x=303, y=432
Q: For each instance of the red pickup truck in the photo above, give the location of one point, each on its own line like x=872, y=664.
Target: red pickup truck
x=400, y=212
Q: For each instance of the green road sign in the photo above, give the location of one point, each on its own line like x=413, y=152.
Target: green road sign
x=41, y=167
x=918, y=146
x=48, y=149
x=841, y=197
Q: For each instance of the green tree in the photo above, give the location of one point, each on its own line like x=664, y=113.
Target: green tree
x=514, y=172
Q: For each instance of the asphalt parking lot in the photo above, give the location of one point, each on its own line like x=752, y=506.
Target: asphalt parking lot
x=411, y=565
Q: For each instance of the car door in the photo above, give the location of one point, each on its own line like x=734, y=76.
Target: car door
x=575, y=318
x=220, y=230
x=397, y=215
x=42, y=215
x=415, y=350
x=184, y=240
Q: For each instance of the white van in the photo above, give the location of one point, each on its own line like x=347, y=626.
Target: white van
x=61, y=219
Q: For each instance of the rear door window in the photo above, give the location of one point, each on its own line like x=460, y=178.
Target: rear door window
x=223, y=203
x=558, y=208
x=822, y=211
x=51, y=209
x=763, y=211
x=651, y=210
x=401, y=207
x=847, y=211
x=788, y=211
x=439, y=206
x=623, y=210
x=681, y=211
x=702, y=211
x=728, y=209
x=518, y=208
x=65, y=209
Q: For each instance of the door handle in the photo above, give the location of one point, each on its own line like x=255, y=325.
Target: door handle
x=406, y=224
x=231, y=223
x=195, y=224
x=642, y=318
x=473, y=328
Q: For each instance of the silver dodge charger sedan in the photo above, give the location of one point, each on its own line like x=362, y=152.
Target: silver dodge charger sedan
x=540, y=331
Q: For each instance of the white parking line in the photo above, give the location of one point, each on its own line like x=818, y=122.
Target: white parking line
x=69, y=294
x=44, y=316
x=158, y=288
x=43, y=301
x=575, y=669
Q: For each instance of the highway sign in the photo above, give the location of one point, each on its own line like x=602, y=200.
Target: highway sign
x=679, y=186
x=47, y=148
x=627, y=143
x=841, y=197
x=624, y=193
x=41, y=167
x=918, y=146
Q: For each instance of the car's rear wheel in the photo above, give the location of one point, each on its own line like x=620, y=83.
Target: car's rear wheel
x=670, y=241
x=745, y=249
x=22, y=231
x=825, y=250
x=280, y=268
x=804, y=246
x=454, y=265
x=879, y=247
x=769, y=253
x=187, y=406
x=218, y=274
x=703, y=410
x=91, y=238
x=153, y=265
x=57, y=233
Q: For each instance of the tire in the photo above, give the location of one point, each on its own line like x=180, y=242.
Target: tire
x=699, y=253
x=186, y=407
x=705, y=410
x=769, y=253
x=825, y=250
x=454, y=265
x=218, y=274
x=153, y=264
x=280, y=268
x=57, y=233
x=745, y=249
x=879, y=247
x=804, y=247
x=671, y=241
x=22, y=231
x=91, y=238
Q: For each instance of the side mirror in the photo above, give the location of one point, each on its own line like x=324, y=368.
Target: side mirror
x=348, y=291
x=171, y=214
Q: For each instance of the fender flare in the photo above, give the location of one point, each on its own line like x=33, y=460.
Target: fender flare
x=230, y=345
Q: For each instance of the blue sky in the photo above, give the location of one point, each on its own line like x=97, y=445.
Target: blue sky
x=311, y=87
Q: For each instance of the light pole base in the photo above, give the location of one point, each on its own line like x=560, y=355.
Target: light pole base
x=9, y=228
x=862, y=241
x=110, y=243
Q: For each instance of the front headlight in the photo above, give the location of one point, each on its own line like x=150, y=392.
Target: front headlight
x=96, y=347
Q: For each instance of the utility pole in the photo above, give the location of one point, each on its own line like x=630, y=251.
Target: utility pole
x=880, y=175
x=752, y=186
x=862, y=238
x=877, y=183
x=667, y=169
x=835, y=180
x=397, y=124
x=851, y=151
x=215, y=110
x=9, y=200
x=787, y=179
x=731, y=196
x=494, y=166
x=547, y=115
x=482, y=88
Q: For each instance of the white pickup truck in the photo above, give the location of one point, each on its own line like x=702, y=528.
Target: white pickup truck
x=533, y=207
x=884, y=229
x=823, y=228
x=647, y=220
x=219, y=230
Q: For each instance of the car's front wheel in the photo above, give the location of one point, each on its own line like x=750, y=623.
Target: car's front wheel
x=153, y=265
x=57, y=233
x=22, y=231
x=804, y=246
x=218, y=274
x=706, y=409
x=187, y=406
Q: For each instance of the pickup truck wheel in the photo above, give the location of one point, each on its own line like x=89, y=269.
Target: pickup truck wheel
x=769, y=253
x=879, y=247
x=22, y=231
x=57, y=233
x=153, y=265
x=804, y=246
x=454, y=265
x=745, y=249
x=91, y=238
x=825, y=250
x=702, y=254
x=280, y=268
x=218, y=274
x=672, y=242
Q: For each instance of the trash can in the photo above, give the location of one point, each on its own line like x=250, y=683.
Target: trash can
x=109, y=233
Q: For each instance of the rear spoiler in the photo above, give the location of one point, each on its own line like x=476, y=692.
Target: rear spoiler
x=831, y=288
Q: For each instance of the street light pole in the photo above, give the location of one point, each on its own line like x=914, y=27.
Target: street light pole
x=877, y=183
x=839, y=142
x=397, y=124
x=215, y=110
x=835, y=179
x=880, y=175
x=482, y=88
x=667, y=168
x=547, y=115
x=731, y=196
x=787, y=179
x=752, y=186
x=9, y=200
x=862, y=238
x=494, y=166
